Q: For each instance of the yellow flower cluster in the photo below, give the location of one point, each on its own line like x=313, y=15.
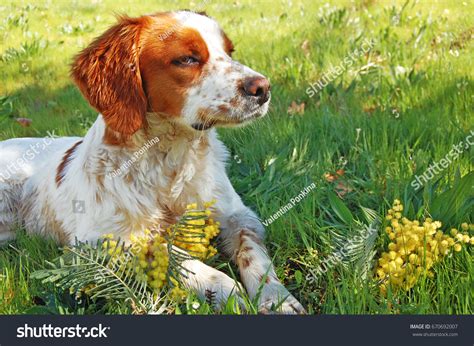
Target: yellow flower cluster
x=414, y=248
x=193, y=233
x=152, y=258
x=196, y=233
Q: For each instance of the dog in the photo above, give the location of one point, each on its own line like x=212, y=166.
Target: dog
x=162, y=83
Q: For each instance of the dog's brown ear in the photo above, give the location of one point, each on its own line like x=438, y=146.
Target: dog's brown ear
x=108, y=75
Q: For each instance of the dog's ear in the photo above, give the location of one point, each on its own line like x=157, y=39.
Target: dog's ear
x=108, y=75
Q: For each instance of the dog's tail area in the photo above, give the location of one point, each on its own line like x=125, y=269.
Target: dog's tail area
x=8, y=201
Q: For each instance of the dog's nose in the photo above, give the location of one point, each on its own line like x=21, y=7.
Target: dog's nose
x=258, y=87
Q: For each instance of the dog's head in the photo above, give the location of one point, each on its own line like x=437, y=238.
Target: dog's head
x=177, y=65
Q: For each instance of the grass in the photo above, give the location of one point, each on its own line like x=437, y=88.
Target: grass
x=384, y=120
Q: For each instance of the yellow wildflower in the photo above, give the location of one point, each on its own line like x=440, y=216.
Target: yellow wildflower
x=414, y=248
x=151, y=252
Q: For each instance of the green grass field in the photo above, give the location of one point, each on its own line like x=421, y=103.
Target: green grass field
x=385, y=119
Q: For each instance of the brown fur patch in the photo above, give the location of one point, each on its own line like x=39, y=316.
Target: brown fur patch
x=223, y=108
x=166, y=82
x=112, y=137
x=245, y=262
x=252, y=236
x=60, y=172
x=108, y=75
x=242, y=256
x=247, y=249
x=98, y=197
x=168, y=216
x=228, y=45
x=241, y=239
x=234, y=102
x=203, y=145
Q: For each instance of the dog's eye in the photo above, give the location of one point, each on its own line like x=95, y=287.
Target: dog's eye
x=186, y=61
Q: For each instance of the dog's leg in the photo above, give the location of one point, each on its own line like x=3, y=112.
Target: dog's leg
x=242, y=239
x=210, y=283
x=242, y=236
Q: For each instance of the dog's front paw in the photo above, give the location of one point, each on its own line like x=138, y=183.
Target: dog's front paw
x=275, y=299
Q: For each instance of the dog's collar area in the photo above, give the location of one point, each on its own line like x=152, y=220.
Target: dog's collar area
x=201, y=127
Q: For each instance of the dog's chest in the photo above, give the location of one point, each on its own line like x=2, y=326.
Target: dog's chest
x=162, y=184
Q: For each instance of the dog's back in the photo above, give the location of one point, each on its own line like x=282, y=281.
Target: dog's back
x=20, y=158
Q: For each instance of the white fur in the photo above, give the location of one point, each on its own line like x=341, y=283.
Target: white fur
x=183, y=166
x=219, y=87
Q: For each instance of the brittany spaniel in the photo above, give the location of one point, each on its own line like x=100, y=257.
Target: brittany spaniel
x=161, y=83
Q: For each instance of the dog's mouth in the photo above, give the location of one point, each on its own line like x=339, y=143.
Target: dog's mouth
x=226, y=120
x=201, y=126
x=215, y=122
